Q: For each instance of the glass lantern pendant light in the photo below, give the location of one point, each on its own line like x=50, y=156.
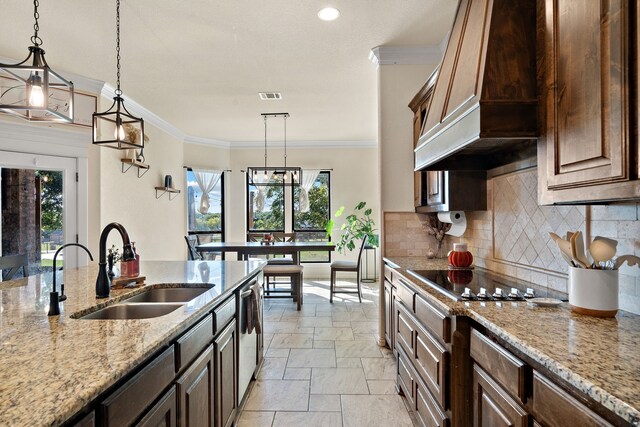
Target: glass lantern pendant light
x=33, y=91
x=119, y=128
x=274, y=175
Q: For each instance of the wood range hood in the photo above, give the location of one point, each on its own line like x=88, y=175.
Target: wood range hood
x=483, y=112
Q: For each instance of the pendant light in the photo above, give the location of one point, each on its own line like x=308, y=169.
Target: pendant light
x=33, y=91
x=274, y=175
x=119, y=128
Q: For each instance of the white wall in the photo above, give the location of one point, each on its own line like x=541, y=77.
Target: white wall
x=397, y=85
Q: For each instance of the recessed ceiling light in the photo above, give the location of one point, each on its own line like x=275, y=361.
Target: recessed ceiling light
x=328, y=14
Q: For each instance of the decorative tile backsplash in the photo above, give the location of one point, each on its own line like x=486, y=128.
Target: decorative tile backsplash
x=512, y=237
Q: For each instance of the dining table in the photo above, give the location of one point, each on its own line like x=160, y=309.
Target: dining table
x=245, y=250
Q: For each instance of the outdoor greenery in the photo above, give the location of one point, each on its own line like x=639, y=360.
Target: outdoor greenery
x=357, y=225
x=207, y=222
x=272, y=219
x=318, y=215
x=51, y=218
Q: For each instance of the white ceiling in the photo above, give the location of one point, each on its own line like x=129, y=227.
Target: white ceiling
x=199, y=64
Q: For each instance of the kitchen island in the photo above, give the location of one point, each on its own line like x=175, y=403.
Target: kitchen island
x=594, y=361
x=56, y=367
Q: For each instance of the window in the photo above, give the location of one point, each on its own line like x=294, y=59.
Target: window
x=206, y=223
x=309, y=226
x=265, y=206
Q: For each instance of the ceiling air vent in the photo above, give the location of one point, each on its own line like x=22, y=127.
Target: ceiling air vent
x=267, y=96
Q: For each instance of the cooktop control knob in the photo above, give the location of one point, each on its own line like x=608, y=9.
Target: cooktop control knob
x=515, y=294
x=529, y=293
x=482, y=294
x=467, y=294
x=498, y=294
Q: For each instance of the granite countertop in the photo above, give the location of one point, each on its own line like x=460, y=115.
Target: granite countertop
x=598, y=357
x=53, y=366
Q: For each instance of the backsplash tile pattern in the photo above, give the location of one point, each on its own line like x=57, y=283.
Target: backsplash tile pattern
x=512, y=238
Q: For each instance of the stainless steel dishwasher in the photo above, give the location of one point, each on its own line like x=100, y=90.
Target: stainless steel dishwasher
x=249, y=344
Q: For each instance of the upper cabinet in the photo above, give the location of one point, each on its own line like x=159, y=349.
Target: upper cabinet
x=588, y=150
x=483, y=111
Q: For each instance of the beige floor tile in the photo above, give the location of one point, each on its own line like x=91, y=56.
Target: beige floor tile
x=382, y=386
x=376, y=368
x=357, y=349
x=255, y=419
x=307, y=419
x=277, y=352
x=338, y=381
x=291, y=341
x=348, y=362
x=297, y=374
x=272, y=368
x=324, y=344
x=312, y=358
x=349, y=316
x=374, y=410
x=367, y=327
x=279, y=395
x=341, y=324
x=312, y=322
x=286, y=327
x=325, y=402
x=333, y=334
x=366, y=337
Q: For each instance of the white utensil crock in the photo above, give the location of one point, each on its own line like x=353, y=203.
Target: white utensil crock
x=593, y=292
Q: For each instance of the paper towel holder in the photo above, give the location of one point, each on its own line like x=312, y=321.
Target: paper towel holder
x=458, y=222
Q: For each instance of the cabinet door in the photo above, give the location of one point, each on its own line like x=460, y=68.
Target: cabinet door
x=163, y=413
x=405, y=330
x=226, y=368
x=428, y=413
x=587, y=93
x=195, y=392
x=432, y=364
x=435, y=188
x=405, y=379
x=492, y=406
x=388, y=314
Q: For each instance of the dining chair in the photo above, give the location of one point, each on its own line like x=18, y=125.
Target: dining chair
x=12, y=263
x=294, y=273
x=192, y=253
x=208, y=238
x=347, y=266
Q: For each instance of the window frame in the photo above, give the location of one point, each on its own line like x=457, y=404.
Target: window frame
x=223, y=227
x=309, y=230
x=284, y=211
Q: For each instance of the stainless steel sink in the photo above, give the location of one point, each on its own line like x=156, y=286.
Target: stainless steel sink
x=168, y=295
x=133, y=311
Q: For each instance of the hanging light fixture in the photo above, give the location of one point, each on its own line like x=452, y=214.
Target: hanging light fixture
x=119, y=128
x=274, y=175
x=33, y=91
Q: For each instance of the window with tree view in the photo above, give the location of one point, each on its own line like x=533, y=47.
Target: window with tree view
x=311, y=211
x=205, y=215
x=265, y=208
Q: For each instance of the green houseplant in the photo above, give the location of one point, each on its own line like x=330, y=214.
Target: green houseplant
x=357, y=225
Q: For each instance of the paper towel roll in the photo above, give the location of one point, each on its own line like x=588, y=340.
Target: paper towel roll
x=457, y=220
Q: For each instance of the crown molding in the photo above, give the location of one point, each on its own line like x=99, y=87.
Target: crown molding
x=408, y=55
x=207, y=141
x=292, y=145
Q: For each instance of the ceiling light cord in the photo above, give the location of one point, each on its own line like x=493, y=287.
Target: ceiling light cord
x=285, y=142
x=35, y=39
x=118, y=91
x=265, y=143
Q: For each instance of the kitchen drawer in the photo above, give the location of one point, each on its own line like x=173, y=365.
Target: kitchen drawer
x=406, y=380
x=405, y=329
x=193, y=342
x=427, y=411
x=432, y=318
x=405, y=294
x=163, y=413
x=388, y=273
x=492, y=405
x=128, y=402
x=88, y=420
x=223, y=315
x=431, y=361
x=552, y=406
x=508, y=370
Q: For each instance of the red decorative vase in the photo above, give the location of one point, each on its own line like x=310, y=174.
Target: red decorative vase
x=460, y=277
x=460, y=256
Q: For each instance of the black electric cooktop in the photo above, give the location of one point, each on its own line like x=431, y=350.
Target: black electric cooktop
x=482, y=285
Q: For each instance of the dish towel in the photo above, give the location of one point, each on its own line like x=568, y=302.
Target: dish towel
x=254, y=309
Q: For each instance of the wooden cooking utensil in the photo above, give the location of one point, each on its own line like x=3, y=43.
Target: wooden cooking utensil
x=577, y=250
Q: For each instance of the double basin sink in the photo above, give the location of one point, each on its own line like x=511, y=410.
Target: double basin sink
x=151, y=303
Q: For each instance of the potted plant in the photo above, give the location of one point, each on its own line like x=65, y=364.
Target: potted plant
x=357, y=225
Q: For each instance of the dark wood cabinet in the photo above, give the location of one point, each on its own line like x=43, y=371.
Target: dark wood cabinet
x=588, y=150
x=163, y=413
x=225, y=376
x=492, y=405
x=388, y=313
x=195, y=389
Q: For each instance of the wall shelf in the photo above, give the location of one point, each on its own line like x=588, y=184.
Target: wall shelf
x=160, y=191
x=129, y=163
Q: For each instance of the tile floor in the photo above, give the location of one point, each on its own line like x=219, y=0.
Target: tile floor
x=323, y=366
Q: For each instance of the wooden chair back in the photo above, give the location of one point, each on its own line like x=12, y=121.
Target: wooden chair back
x=13, y=264
x=364, y=243
x=284, y=237
x=192, y=253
